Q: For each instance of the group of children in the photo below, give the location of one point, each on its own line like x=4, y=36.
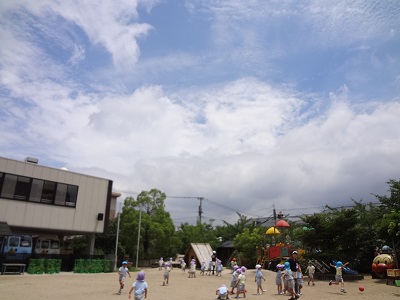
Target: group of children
x=286, y=279
x=238, y=281
x=292, y=282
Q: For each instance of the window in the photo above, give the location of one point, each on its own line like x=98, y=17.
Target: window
x=72, y=195
x=45, y=244
x=15, y=187
x=55, y=244
x=10, y=181
x=13, y=241
x=36, y=190
x=22, y=188
x=48, y=192
x=26, y=241
x=61, y=194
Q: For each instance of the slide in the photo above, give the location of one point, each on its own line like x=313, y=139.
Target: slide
x=321, y=266
x=347, y=270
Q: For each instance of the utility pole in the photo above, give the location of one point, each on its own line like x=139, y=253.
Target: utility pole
x=116, y=240
x=200, y=208
x=138, y=237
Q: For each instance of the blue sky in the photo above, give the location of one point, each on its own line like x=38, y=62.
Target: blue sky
x=249, y=104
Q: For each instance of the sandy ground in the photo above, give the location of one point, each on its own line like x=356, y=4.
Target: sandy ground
x=105, y=286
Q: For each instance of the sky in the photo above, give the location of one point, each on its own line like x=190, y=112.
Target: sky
x=251, y=105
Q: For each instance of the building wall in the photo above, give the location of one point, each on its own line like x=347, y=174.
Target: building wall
x=94, y=197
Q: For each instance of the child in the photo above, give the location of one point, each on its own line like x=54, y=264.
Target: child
x=183, y=266
x=241, y=282
x=258, y=279
x=310, y=271
x=299, y=279
x=233, y=264
x=210, y=265
x=192, y=270
x=339, y=278
x=285, y=282
x=122, y=271
x=160, y=264
x=289, y=281
x=234, y=279
x=219, y=267
x=202, y=268
x=278, y=279
x=167, y=269
x=222, y=292
x=140, y=287
x=170, y=263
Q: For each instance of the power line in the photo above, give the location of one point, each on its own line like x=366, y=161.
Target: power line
x=233, y=209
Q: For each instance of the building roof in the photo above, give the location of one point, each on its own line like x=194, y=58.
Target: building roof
x=203, y=251
x=227, y=244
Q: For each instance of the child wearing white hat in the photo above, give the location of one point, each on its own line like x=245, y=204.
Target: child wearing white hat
x=278, y=279
x=258, y=279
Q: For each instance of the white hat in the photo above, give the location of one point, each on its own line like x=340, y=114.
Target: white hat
x=258, y=266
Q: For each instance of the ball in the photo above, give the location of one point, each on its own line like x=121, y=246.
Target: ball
x=361, y=288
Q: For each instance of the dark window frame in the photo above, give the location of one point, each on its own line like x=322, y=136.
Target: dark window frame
x=25, y=190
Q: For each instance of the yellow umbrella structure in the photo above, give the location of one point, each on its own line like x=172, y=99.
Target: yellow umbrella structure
x=272, y=230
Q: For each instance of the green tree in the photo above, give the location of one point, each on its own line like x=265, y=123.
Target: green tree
x=156, y=227
x=389, y=225
x=246, y=242
x=229, y=231
x=345, y=234
x=199, y=233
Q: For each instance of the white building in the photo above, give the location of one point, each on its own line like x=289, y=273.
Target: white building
x=36, y=199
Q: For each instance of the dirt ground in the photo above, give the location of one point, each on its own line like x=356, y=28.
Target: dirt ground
x=105, y=286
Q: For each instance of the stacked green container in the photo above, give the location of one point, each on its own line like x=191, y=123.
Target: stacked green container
x=79, y=268
x=33, y=266
x=91, y=266
x=42, y=265
x=36, y=266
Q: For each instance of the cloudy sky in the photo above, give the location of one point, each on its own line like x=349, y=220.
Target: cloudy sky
x=250, y=104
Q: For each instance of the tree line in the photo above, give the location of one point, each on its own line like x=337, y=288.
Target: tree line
x=347, y=234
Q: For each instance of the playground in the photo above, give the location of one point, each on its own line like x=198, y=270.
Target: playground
x=67, y=285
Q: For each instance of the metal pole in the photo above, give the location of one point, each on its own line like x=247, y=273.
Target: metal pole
x=200, y=208
x=116, y=241
x=138, y=237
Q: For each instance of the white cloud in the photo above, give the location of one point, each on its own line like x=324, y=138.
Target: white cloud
x=113, y=25
x=242, y=141
x=323, y=23
x=78, y=55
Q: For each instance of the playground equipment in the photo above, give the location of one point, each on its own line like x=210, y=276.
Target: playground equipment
x=381, y=264
x=269, y=257
x=321, y=266
x=394, y=276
